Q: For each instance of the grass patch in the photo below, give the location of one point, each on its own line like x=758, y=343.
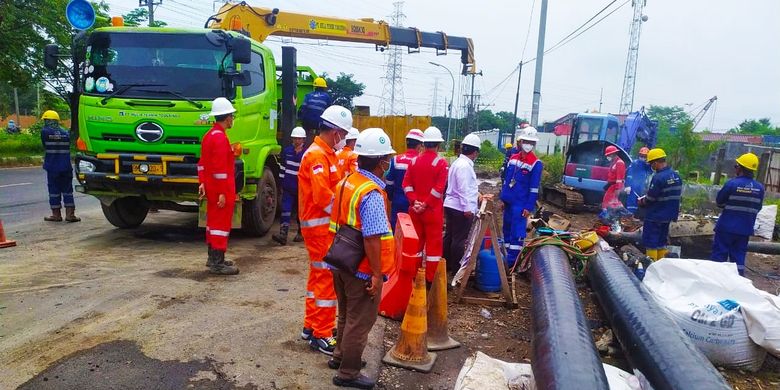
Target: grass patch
x=19, y=145
x=553, y=169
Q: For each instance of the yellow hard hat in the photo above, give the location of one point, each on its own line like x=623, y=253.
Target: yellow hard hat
x=749, y=161
x=51, y=114
x=655, y=154
x=319, y=82
x=507, y=145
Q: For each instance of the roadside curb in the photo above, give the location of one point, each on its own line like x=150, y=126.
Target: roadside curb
x=10, y=162
x=375, y=349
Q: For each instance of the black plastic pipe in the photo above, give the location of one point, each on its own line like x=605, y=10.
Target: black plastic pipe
x=635, y=237
x=651, y=340
x=563, y=353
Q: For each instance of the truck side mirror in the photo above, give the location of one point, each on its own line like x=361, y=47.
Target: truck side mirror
x=241, y=79
x=50, y=56
x=242, y=50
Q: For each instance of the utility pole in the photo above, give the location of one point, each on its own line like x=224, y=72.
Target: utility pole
x=150, y=5
x=601, y=98
x=38, y=99
x=517, y=100
x=16, y=103
x=435, y=96
x=470, y=122
x=539, y=60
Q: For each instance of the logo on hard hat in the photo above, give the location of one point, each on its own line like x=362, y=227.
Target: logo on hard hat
x=382, y=140
x=149, y=132
x=343, y=114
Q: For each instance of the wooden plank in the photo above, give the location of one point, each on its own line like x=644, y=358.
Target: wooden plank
x=472, y=258
x=500, y=260
x=484, y=301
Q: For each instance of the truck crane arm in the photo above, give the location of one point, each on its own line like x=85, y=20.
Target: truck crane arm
x=259, y=23
x=700, y=115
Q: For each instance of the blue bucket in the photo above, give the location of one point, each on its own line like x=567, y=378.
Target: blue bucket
x=488, y=279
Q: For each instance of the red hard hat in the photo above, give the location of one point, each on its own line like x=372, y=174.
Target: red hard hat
x=644, y=150
x=610, y=150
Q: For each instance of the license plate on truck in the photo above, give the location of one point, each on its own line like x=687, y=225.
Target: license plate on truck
x=151, y=169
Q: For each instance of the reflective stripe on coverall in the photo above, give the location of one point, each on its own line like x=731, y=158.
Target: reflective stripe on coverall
x=741, y=199
x=519, y=192
x=288, y=173
x=394, y=180
x=216, y=171
x=663, y=207
x=56, y=162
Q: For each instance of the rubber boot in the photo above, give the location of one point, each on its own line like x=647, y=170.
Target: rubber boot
x=221, y=268
x=281, y=238
x=70, y=215
x=298, y=236
x=56, y=216
x=213, y=258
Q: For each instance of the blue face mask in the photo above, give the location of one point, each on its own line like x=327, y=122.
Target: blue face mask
x=386, y=170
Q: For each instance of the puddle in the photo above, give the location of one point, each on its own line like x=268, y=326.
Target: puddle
x=122, y=365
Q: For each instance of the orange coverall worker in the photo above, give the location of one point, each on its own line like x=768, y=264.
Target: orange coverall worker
x=216, y=171
x=347, y=161
x=615, y=183
x=425, y=181
x=317, y=177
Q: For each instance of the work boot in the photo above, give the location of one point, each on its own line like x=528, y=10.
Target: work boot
x=213, y=258
x=281, y=238
x=56, y=216
x=298, y=236
x=361, y=382
x=70, y=215
x=221, y=268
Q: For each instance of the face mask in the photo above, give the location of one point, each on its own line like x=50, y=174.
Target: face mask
x=342, y=143
x=386, y=171
x=610, y=158
x=528, y=148
x=644, y=159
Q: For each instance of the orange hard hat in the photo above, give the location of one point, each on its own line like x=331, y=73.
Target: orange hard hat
x=610, y=150
x=644, y=150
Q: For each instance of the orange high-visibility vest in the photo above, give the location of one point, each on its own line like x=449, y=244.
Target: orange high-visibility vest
x=356, y=187
x=347, y=161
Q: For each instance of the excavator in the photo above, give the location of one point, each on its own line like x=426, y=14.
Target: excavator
x=144, y=94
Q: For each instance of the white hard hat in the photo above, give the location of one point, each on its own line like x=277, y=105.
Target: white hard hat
x=432, y=134
x=298, y=132
x=338, y=116
x=353, y=133
x=528, y=134
x=373, y=142
x=472, y=140
x=221, y=106
x=415, y=134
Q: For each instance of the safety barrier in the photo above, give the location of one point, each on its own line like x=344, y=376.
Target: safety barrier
x=651, y=340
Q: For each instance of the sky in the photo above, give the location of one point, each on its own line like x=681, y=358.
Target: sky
x=689, y=51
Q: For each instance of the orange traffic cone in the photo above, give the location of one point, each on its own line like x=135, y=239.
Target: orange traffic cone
x=5, y=243
x=411, y=350
x=438, y=338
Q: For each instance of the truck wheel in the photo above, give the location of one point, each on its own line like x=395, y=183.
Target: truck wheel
x=126, y=213
x=259, y=213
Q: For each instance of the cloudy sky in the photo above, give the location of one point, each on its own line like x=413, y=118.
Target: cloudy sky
x=690, y=51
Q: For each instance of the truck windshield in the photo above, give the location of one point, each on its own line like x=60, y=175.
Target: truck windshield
x=184, y=63
x=588, y=129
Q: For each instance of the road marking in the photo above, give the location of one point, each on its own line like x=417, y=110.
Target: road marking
x=15, y=185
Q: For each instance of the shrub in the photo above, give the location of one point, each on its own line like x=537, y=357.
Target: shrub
x=14, y=145
x=553, y=169
x=490, y=157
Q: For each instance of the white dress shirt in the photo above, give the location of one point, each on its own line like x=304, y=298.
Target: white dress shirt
x=462, y=188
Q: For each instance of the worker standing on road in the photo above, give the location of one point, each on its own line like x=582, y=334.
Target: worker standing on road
x=317, y=178
x=615, y=178
x=346, y=156
x=520, y=192
x=460, y=202
x=424, y=186
x=741, y=199
x=216, y=175
x=363, y=205
x=662, y=203
x=314, y=104
x=395, y=176
x=636, y=180
x=59, y=173
x=288, y=173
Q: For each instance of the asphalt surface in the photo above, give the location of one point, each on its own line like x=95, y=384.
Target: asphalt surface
x=24, y=196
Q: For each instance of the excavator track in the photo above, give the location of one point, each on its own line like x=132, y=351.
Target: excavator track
x=564, y=197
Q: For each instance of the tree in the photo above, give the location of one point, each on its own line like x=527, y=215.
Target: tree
x=762, y=126
x=506, y=116
x=139, y=17
x=684, y=148
x=668, y=116
x=344, y=89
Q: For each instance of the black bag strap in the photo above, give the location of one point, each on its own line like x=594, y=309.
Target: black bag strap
x=341, y=198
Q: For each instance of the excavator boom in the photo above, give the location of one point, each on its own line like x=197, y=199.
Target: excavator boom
x=260, y=23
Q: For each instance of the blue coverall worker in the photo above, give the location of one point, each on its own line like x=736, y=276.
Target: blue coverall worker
x=520, y=192
x=288, y=175
x=395, y=175
x=741, y=199
x=314, y=104
x=662, y=203
x=636, y=180
x=59, y=173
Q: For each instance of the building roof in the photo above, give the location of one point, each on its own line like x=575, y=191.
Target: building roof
x=738, y=138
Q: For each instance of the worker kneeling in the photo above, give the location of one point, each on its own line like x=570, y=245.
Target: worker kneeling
x=662, y=203
x=741, y=199
x=362, y=205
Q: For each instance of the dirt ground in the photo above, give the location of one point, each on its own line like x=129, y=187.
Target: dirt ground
x=507, y=334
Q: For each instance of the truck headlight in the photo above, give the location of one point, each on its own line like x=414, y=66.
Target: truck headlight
x=86, y=166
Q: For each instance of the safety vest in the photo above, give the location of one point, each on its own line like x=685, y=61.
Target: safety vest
x=356, y=187
x=347, y=161
x=317, y=177
x=741, y=199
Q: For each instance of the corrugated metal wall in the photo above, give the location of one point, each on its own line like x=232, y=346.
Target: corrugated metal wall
x=395, y=126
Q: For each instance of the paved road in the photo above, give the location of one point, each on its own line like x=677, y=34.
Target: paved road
x=24, y=197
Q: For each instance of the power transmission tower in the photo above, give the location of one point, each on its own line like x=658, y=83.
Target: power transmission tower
x=150, y=4
x=393, y=92
x=629, y=81
x=435, y=103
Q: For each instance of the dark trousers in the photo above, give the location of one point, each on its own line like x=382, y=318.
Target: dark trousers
x=730, y=247
x=60, y=188
x=455, y=235
x=357, y=314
